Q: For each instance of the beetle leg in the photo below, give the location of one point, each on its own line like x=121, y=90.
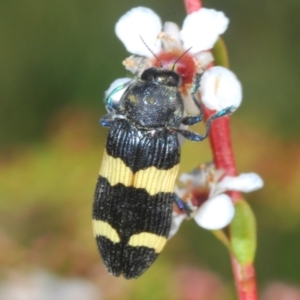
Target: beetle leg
x=191, y=120
x=107, y=120
x=196, y=137
x=199, y=137
x=182, y=205
x=109, y=103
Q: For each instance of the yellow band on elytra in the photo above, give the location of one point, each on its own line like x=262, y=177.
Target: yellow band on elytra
x=149, y=240
x=153, y=180
x=104, y=229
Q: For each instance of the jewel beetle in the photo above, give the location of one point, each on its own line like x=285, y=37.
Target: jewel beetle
x=133, y=202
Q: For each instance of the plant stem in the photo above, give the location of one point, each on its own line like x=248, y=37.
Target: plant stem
x=220, y=140
x=192, y=5
x=245, y=280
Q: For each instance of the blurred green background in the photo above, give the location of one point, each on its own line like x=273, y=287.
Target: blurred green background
x=57, y=58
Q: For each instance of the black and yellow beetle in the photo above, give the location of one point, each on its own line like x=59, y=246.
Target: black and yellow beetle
x=134, y=196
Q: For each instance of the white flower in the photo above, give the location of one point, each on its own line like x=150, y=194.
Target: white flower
x=200, y=30
x=216, y=210
x=245, y=182
x=220, y=89
x=136, y=23
x=215, y=213
x=143, y=33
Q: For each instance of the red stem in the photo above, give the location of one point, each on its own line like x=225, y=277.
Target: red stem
x=245, y=280
x=192, y=5
x=220, y=140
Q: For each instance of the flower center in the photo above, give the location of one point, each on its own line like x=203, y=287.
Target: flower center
x=185, y=66
x=198, y=197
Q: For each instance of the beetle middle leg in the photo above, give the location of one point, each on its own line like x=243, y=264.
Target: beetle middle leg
x=107, y=120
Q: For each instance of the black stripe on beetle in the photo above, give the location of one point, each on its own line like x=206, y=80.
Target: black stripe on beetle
x=134, y=196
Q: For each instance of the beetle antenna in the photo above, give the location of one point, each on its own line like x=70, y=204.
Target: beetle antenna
x=176, y=61
x=151, y=51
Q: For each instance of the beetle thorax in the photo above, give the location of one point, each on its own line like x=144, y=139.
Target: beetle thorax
x=154, y=101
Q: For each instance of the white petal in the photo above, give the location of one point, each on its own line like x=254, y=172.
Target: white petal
x=204, y=58
x=117, y=95
x=197, y=178
x=136, y=23
x=189, y=105
x=201, y=29
x=220, y=89
x=137, y=64
x=185, y=178
x=180, y=192
x=245, y=182
x=215, y=213
x=176, y=221
x=171, y=36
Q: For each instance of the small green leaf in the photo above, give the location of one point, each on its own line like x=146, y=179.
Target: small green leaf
x=243, y=233
x=220, y=54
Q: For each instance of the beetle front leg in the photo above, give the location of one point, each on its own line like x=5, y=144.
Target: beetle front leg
x=109, y=103
x=199, y=137
x=107, y=120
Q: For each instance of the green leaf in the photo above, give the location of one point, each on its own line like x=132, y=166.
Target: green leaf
x=220, y=54
x=243, y=233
